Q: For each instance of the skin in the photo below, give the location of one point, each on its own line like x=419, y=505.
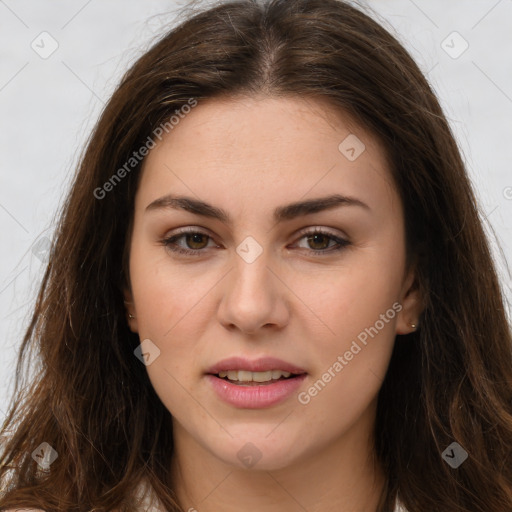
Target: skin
x=249, y=156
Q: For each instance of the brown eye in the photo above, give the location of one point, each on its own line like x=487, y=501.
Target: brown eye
x=319, y=241
x=193, y=240
x=323, y=243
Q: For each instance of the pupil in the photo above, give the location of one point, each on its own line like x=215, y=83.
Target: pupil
x=194, y=237
x=315, y=237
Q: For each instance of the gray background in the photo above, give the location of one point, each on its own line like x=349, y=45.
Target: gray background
x=49, y=105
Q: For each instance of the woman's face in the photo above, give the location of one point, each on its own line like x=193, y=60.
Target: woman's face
x=258, y=285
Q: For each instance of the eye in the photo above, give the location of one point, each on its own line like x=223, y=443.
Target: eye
x=196, y=241
x=318, y=241
x=193, y=238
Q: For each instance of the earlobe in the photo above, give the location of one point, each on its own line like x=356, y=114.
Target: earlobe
x=412, y=306
x=131, y=316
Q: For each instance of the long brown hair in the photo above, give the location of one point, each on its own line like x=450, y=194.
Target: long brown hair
x=450, y=381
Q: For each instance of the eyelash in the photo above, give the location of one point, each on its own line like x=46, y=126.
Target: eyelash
x=169, y=242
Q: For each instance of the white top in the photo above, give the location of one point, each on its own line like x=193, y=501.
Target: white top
x=399, y=507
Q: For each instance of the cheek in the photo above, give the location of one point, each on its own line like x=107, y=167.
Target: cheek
x=164, y=300
x=170, y=306
x=163, y=293
x=351, y=360
x=352, y=297
x=358, y=307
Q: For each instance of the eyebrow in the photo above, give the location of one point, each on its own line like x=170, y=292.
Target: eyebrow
x=281, y=213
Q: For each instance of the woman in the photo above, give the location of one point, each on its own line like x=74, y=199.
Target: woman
x=270, y=288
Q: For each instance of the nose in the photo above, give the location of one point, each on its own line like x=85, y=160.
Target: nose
x=254, y=297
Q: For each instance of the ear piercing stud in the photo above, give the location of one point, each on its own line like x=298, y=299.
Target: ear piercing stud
x=130, y=315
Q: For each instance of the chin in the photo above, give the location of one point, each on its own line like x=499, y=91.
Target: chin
x=257, y=453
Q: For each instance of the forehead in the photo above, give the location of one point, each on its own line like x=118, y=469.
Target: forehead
x=266, y=150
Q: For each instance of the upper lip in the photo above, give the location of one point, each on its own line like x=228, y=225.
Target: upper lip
x=262, y=364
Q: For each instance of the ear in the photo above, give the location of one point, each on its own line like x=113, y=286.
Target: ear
x=412, y=305
x=131, y=314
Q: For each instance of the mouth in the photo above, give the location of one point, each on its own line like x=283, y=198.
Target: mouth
x=248, y=378
x=255, y=384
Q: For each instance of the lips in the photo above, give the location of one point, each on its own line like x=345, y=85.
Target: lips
x=254, y=396
x=263, y=364
x=257, y=392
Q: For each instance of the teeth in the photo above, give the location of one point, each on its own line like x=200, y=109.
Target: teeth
x=276, y=374
x=245, y=376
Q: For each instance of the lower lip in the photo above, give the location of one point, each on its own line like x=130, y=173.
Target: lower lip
x=255, y=397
